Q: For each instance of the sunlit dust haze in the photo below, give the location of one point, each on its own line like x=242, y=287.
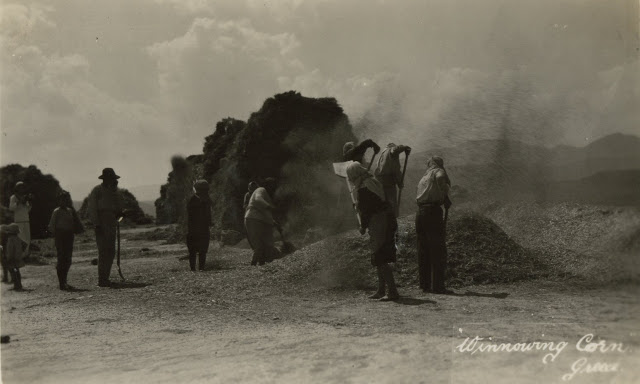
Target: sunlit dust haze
x=129, y=83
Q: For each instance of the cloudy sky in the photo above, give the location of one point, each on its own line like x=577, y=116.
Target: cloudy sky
x=128, y=83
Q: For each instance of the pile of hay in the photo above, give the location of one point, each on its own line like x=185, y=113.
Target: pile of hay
x=479, y=253
x=596, y=243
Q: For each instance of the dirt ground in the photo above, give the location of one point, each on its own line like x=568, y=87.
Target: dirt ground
x=233, y=324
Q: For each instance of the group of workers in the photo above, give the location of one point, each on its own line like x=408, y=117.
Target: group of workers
x=375, y=194
x=376, y=198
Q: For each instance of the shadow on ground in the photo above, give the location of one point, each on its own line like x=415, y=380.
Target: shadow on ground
x=495, y=295
x=413, y=301
x=128, y=285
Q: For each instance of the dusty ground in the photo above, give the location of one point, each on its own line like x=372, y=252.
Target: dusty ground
x=233, y=323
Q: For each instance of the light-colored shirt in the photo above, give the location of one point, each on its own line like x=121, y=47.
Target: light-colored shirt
x=20, y=210
x=260, y=206
x=433, y=188
x=387, y=170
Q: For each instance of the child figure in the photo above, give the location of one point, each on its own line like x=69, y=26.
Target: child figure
x=3, y=257
x=62, y=224
x=13, y=254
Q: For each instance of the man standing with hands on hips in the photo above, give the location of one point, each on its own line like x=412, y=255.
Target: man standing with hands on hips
x=104, y=208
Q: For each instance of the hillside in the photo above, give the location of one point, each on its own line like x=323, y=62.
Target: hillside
x=148, y=208
x=133, y=215
x=146, y=192
x=505, y=169
x=619, y=187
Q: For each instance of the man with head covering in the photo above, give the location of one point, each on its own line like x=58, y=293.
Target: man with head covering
x=353, y=152
x=433, y=193
x=389, y=173
x=377, y=217
x=104, y=209
x=247, y=196
x=198, y=223
x=20, y=205
x=259, y=223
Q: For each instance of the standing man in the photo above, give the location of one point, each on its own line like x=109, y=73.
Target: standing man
x=353, y=152
x=104, y=208
x=389, y=174
x=20, y=205
x=433, y=192
x=198, y=223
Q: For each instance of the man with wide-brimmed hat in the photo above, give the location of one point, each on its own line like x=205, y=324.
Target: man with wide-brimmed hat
x=104, y=209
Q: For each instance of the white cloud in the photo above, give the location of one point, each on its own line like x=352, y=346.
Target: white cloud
x=189, y=6
x=221, y=68
x=55, y=117
x=18, y=21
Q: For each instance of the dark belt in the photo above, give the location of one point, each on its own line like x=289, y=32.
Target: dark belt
x=425, y=206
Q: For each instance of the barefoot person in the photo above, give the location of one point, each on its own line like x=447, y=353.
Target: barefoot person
x=20, y=205
x=433, y=193
x=259, y=223
x=198, y=223
x=377, y=216
x=104, y=209
x=14, y=253
x=63, y=225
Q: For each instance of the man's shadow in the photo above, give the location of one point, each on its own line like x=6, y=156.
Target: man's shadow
x=495, y=295
x=74, y=289
x=413, y=301
x=128, y=284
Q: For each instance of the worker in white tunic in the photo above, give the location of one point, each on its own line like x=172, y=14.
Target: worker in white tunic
x=20, y=205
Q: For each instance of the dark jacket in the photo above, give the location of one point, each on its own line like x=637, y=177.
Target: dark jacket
x=198, y=215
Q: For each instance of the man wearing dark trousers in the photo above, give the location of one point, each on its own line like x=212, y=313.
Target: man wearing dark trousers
x=433, y=193
x=198, y=223
x=104, y=208
x=61, y=225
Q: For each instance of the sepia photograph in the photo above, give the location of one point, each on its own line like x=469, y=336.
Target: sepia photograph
x=320, y=191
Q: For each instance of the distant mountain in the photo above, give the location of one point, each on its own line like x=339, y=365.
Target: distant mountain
x=146, y=192
x=613, y=152
x=148, y=208
x=501, y=168
x=620, y=187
